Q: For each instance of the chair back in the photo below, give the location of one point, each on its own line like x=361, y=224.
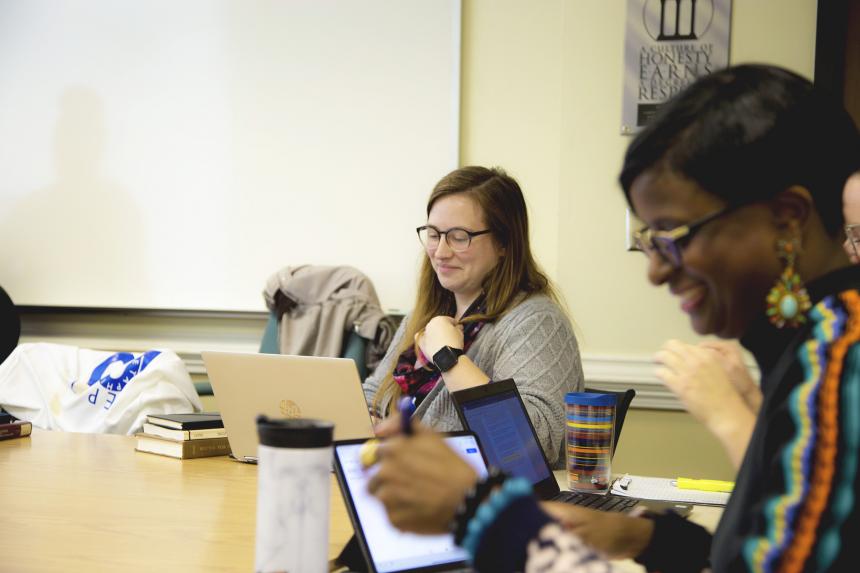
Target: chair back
x=269, y=342
x=622, y=403
x=354, y=345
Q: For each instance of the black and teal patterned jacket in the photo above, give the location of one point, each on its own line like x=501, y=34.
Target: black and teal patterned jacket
x=796, y=496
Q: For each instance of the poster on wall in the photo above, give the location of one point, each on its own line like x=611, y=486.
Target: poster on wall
x=668, y=45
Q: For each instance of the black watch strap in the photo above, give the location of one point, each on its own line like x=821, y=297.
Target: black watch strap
x=446, y=358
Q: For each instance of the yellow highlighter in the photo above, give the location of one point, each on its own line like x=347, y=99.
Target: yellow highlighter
x=705, y=484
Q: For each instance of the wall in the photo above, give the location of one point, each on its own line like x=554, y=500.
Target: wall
x=511, y=103
x=541, y=89
x=541, y=96
x=669, y=444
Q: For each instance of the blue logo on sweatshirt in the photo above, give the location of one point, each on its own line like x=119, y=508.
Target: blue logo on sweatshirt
x=133, y=366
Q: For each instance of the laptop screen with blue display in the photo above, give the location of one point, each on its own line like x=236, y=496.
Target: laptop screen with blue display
x=496, y=413
x=506, y=436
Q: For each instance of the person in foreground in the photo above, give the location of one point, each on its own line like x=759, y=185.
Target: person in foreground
x=484, y=311
x=739, y=180
x=738, y=397
x=736, y=393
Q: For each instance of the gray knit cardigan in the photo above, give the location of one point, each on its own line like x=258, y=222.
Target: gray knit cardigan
x=533, y=343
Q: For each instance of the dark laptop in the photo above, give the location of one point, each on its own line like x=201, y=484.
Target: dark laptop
x=496, y=414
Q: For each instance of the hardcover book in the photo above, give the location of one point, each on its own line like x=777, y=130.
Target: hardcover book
x=198, y=421
x=183, y=450
x=182, y=435
x=15, y=430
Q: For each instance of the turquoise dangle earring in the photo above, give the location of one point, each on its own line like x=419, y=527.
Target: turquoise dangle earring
x=788, y=301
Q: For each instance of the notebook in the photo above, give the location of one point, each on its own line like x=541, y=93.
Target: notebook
x=385, y=548
x=496, y=414
x=666, y=489
x=283, y=386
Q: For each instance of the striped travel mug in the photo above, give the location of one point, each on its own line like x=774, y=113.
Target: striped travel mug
x=590, y=431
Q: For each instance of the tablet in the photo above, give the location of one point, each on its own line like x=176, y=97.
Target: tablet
x=385, y=548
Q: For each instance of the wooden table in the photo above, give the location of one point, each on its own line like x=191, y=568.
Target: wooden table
x=89, y=502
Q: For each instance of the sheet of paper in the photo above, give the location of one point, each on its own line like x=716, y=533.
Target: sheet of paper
x=664, y=489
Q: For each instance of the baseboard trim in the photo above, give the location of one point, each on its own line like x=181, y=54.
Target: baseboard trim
x=618, y=373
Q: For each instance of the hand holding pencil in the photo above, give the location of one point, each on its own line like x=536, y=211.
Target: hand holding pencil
x=418, y=478
x=401, y=423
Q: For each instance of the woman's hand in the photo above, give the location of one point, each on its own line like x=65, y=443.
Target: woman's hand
x=440, y=331
x=698, y=378
x=615, y=535
x=445, y=331
x=421, y=481
x=392, y=426
x=733, y=363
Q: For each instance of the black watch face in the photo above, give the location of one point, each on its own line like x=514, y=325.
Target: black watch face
x=446, y=358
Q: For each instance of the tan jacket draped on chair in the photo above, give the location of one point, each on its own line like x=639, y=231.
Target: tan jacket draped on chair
x=318, y=305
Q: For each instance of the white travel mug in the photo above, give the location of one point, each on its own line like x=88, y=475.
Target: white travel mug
x=293, y=489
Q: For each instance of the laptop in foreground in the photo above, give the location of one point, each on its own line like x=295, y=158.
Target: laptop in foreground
x=496, y=414
x=386, y=549
x=284, y=386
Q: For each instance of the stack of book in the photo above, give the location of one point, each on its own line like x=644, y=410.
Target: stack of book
x=184, y=436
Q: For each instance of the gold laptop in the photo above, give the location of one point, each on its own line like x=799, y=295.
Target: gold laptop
x=283, y=386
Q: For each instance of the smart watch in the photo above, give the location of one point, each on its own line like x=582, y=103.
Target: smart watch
x=446, y=358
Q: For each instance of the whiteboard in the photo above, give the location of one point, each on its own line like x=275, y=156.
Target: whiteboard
x=173, y=154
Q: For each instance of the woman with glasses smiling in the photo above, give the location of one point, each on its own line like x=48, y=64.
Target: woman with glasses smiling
x=484, y=311
x=740, y=182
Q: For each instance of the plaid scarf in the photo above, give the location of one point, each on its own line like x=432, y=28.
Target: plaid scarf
x=416, y=375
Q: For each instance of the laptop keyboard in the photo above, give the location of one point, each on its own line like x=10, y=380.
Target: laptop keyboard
x=607, y=502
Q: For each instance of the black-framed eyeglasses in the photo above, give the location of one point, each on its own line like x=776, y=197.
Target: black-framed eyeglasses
x=670, y=244
x=852, y=233
x=457, y=238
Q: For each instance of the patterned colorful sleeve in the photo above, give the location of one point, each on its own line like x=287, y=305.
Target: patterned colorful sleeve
x=558, y=551
x=804, y=521
x=524, y=538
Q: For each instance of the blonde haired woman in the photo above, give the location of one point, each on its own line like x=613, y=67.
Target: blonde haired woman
x=484, y=311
